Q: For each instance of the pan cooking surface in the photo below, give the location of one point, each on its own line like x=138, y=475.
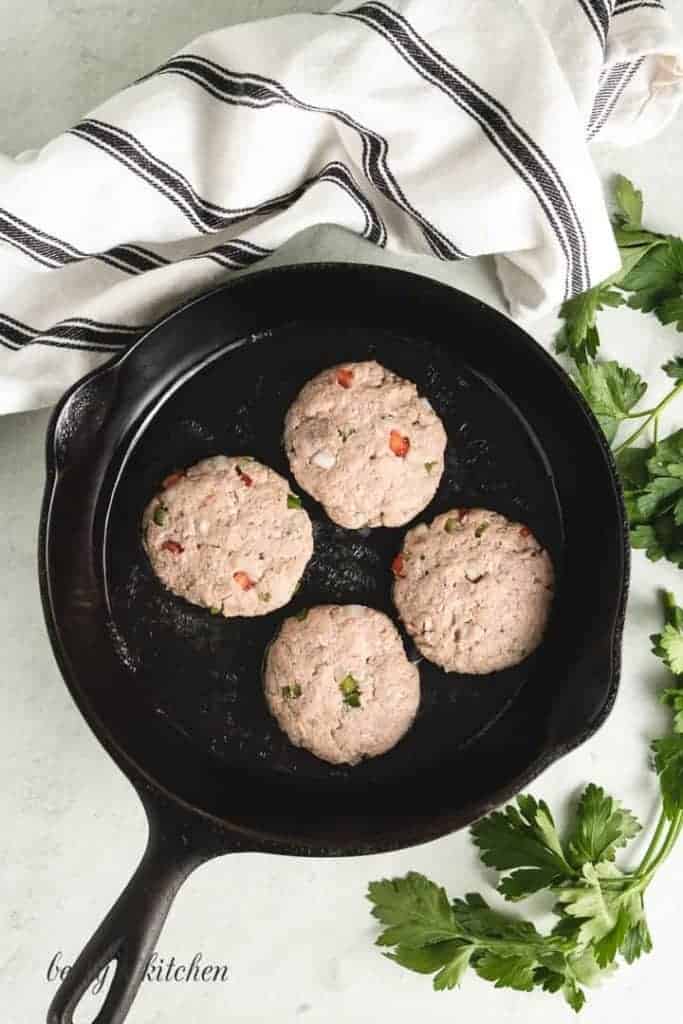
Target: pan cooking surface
x=202, y=673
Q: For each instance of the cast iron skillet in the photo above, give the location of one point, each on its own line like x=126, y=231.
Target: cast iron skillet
x=174, y=694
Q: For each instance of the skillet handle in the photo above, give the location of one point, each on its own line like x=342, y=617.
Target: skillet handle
x=128, y=933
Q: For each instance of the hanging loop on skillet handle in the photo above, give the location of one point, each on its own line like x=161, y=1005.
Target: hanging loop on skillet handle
x=127, y=936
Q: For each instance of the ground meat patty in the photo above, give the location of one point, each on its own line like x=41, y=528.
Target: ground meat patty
x=228, y=534
x=365, y=445
x=474, y=590
x=339, y=683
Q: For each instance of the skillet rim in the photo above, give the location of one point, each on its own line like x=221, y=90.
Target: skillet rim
x=149, y=788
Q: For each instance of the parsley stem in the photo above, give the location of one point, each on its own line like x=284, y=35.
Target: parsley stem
x=641, y=412
x=650, y=852
x=669, y=842
x=653, y=414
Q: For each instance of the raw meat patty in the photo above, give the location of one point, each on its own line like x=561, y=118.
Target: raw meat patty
x=365, y=445
x=227, y=534
x=339, y=683
x=474, y=590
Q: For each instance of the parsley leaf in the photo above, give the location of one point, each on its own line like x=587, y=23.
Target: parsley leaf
x=586, y=901
x=664, y=539
x=670, y=311
x=602, y=826
x=659, y=495
x=627, y=238
x=667, y=457
x=507, y=971
x=611, y=391
x=527, y=841
x=673, y=698
x=574, y=995
x=672, y=612
x=657, y=276
x=627, y=223
x=629, y=204
x=668, y=645
x=579, y=336
x=416, y=911
x=636, y=942
x=674, y=368
x=608, y=946
x=632, y=466
x=477, y=920
x=601, y=908
x=653, y=492
x=449, y=960
x=668, y=753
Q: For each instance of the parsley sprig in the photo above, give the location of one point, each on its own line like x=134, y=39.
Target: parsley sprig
x=599, y=906
x=652, y=475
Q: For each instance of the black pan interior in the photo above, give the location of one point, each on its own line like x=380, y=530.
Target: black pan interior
x=187, y=686
x=202, y=671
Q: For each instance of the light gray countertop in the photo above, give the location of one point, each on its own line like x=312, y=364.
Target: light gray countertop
x=296, y=934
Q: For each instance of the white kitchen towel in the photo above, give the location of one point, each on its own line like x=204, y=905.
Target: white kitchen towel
x=450, y=127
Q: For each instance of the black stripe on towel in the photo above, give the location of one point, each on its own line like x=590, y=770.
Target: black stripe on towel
x=204, y=215
x=624, y=6
x=609, y=80
x=598, y=13
x=53, y=252
x=237, y=254
x=615, y=85
x=75, y=333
